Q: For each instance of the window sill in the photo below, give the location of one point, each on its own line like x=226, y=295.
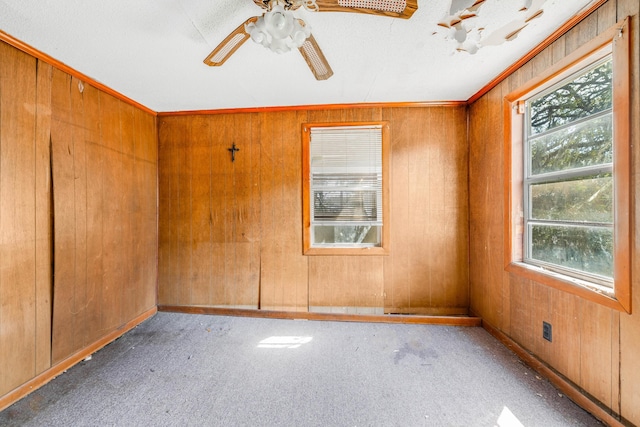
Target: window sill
x=347, y=251
x=589, y=291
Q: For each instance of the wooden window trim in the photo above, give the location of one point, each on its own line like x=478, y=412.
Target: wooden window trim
x=618, y=38
x=383, y=249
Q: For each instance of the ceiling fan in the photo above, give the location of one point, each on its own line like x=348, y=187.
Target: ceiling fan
x=279, y=30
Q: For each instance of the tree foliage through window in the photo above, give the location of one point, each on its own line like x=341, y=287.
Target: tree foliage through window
x=569, y=183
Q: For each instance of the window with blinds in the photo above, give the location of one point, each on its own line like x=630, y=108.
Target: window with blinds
x=345, y=186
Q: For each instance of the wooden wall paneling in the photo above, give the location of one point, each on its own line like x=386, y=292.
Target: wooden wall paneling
x=556, y=50
x=136, y=215
x=541, y=62
x=56, y=135
x=540, y=312
x=227, y=136
x=485, y=204
x=425, y=202
x=565, y=317
x=246, y=235
x=112, y=229
x=580, y=34
x=178, y=284
x=494, y=203
x=170, y=128
x=606, y=16
x=79, y=200
x=294, y=265
x=129, y=200
x=151, y=226
x=220, y=164
x=234, y=232
x=17, y=217
x=428, y=181
x=63, y=154
x=284, y=270
x=441, y=232
x=615, y=361
x=396, y=264
x=477, y=176
x=142, y=149
x=165, y=235
x=200, y=242
x=320, y=296
x=521, y=317
x=253, y=236
x=448, y=206
x=43, y=206
x=456, y=206
x=595, y=351
x=505, y=313
x=150, y=208
x=95, y=211
x=331, y=284
x=630, y=325
x=370, y=282
x=182, y=200
x=342, y=285
x=337, y=285
x=271, y=187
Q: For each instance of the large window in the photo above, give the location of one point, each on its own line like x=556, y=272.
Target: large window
x=568, y=183
x=569, y=175
x=344, y=188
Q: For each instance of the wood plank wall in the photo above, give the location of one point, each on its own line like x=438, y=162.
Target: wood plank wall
x=78, y=175
x=230, y=233
x=594, y=347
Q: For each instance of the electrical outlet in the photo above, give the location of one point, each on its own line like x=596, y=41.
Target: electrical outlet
x=546, y=331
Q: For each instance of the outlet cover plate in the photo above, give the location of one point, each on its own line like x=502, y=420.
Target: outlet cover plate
x=547, y=331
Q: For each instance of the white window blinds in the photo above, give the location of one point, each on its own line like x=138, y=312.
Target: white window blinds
x=346, y=175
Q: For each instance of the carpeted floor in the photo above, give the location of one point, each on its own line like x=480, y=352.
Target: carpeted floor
x=198, y=370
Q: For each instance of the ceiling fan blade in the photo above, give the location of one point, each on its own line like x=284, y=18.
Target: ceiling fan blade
x=229, y=45
x=395, y=9
x=315, y=59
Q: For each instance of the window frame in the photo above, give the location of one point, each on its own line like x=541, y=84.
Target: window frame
x=308, y=249
x=615, y=40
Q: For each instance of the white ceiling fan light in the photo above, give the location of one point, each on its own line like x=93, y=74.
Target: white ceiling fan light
x=278, y=30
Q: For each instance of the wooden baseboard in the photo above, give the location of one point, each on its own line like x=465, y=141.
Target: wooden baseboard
x=339, y=317
x=561, y=383
x=46, y=376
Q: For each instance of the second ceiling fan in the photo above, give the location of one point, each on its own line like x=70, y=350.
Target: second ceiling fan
x=279, y=30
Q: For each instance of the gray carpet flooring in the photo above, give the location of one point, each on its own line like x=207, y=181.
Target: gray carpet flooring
x=199, y=370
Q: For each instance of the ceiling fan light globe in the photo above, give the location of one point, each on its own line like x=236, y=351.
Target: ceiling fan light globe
x=257, y=31
x=279, y=26
x=298, y=38
x=258, y=37
x=279, y=21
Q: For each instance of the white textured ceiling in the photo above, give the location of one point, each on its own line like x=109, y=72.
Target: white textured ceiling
x=152, y=51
